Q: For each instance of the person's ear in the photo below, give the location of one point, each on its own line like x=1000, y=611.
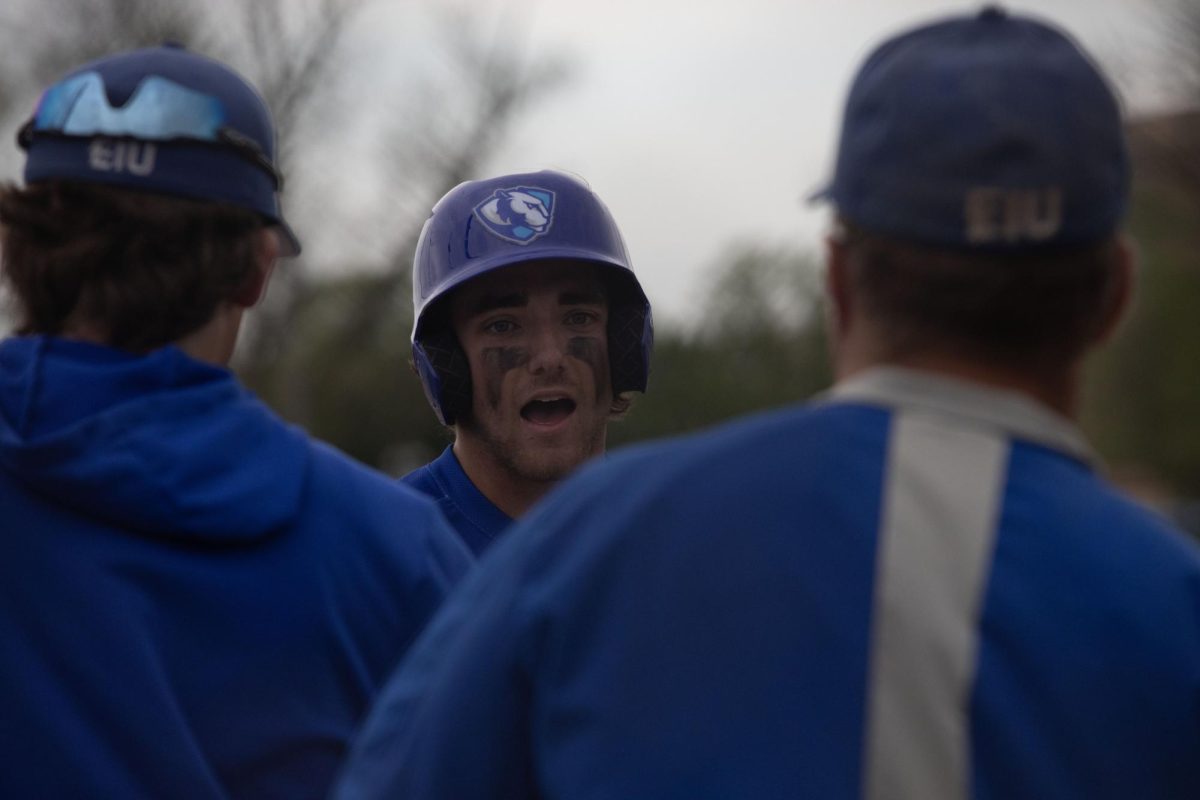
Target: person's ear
x=1120, y=297
x=266, y=253
x=838, y=303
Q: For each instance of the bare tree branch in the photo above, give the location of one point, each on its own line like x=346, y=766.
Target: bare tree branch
x=1167, y=146
x=291, y=56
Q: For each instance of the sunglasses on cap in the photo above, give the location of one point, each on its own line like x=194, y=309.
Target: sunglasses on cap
x=159, y=110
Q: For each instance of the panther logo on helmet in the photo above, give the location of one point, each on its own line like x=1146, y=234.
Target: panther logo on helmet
x=519, y=215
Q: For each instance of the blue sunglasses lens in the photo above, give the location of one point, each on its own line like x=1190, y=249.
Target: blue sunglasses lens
x=158, y=110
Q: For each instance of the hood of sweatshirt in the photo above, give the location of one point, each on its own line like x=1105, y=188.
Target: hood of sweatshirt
x=159, y=443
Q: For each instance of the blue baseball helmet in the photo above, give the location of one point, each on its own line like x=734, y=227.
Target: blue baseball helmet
x=480, y=226
x=163, y=120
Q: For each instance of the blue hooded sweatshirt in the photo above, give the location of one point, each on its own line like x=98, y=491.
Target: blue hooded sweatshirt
x=198, y=600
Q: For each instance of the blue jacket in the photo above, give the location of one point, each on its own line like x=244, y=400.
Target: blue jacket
x=916, y=589
x=198, y=601
x=478, y=521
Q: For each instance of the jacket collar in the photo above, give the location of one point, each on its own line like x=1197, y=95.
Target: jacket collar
x=1011, y=413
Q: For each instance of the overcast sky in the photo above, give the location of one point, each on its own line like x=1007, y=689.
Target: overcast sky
x=704, y=122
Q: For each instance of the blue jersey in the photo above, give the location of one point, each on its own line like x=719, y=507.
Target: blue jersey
x=917, y=588
x=478, y=521
x=196, y=600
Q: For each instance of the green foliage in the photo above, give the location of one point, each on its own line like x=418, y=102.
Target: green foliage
x=756, y=343
x=1143, y=393
x=345, y=374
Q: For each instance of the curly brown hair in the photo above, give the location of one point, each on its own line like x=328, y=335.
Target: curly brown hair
x=143, y=269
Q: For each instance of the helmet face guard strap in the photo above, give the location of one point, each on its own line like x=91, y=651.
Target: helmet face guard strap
x=481, y=226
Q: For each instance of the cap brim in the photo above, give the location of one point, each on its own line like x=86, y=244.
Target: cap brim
x=822, y=195
x=289, y=243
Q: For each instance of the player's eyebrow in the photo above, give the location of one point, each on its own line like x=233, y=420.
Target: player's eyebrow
x=581, y=297
x=492, y=302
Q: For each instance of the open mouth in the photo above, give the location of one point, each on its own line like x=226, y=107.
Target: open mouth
x=548, y=412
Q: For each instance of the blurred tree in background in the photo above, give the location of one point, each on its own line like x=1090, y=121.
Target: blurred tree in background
x=1144, y=388
x=1145, y=392
x=756, y=341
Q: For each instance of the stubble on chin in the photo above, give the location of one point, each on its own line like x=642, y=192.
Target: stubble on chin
x=538, y=464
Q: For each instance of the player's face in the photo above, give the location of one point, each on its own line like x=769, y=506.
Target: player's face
x=535, y=335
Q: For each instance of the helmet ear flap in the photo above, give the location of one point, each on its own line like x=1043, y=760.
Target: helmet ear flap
x=448, y=362
x=626, y=353
x=630, y=333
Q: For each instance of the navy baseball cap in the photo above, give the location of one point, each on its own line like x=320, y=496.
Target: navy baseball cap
x=993, y=131
x=163, y=120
